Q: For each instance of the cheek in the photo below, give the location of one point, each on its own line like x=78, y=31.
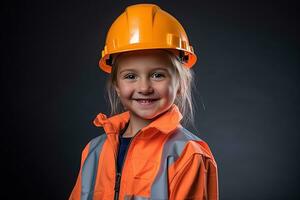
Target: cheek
x=125, y=91
x=167, y=90
x=172, y=92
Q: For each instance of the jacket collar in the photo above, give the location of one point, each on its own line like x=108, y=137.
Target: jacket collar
x=165, y=123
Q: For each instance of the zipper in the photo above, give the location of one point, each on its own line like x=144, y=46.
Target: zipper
x=119, y=174
x=117, y=185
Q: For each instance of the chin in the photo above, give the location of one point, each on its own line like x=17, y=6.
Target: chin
x=147, y=116
x=151, y=116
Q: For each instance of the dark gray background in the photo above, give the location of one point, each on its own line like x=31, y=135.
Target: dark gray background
x=247, y=97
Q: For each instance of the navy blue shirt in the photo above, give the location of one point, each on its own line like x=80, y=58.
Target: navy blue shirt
x=123, y=146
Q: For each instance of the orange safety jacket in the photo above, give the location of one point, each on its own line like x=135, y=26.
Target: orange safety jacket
x=163, y=161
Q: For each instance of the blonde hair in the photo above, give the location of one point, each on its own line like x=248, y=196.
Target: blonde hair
x=184, y=99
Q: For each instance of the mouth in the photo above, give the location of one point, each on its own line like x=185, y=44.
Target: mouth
x=145, y=101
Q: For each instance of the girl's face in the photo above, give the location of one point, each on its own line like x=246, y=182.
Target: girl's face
x=146, y=83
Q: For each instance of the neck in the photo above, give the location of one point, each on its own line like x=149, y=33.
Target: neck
x=135, y=124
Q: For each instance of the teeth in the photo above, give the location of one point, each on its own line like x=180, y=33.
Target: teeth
x=145, y=101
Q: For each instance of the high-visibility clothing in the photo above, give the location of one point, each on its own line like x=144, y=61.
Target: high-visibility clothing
x=163, y=161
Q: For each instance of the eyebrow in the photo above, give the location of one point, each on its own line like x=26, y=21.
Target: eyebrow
x=125, y=70
x=133, y=70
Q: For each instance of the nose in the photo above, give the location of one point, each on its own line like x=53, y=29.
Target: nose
x=145, y=86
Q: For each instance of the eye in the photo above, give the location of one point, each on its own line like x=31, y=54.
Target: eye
x=129, y=76
x=158, y=75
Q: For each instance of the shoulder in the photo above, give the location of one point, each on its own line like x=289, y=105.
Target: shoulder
x=186, y=149
x=183, y=142
x=96, y=143
x=94, y=146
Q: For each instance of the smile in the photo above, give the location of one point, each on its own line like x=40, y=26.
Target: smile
x=145, y=101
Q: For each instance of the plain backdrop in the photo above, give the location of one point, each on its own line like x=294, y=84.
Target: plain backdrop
x=247, y=97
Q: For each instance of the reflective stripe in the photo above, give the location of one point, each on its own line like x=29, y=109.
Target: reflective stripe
x=130, y=197
x=172, y=149
x=89, y=168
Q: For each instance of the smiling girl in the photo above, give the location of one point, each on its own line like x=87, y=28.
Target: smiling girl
x=144, y=151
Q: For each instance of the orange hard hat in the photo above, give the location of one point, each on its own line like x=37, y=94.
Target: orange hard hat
x=146, y=26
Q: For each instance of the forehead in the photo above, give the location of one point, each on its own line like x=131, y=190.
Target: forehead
x=146, y=60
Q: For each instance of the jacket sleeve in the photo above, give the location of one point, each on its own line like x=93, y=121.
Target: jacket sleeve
x=76, y=192
x=196, y=179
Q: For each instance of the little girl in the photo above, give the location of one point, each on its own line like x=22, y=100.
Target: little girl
x=144, y=152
